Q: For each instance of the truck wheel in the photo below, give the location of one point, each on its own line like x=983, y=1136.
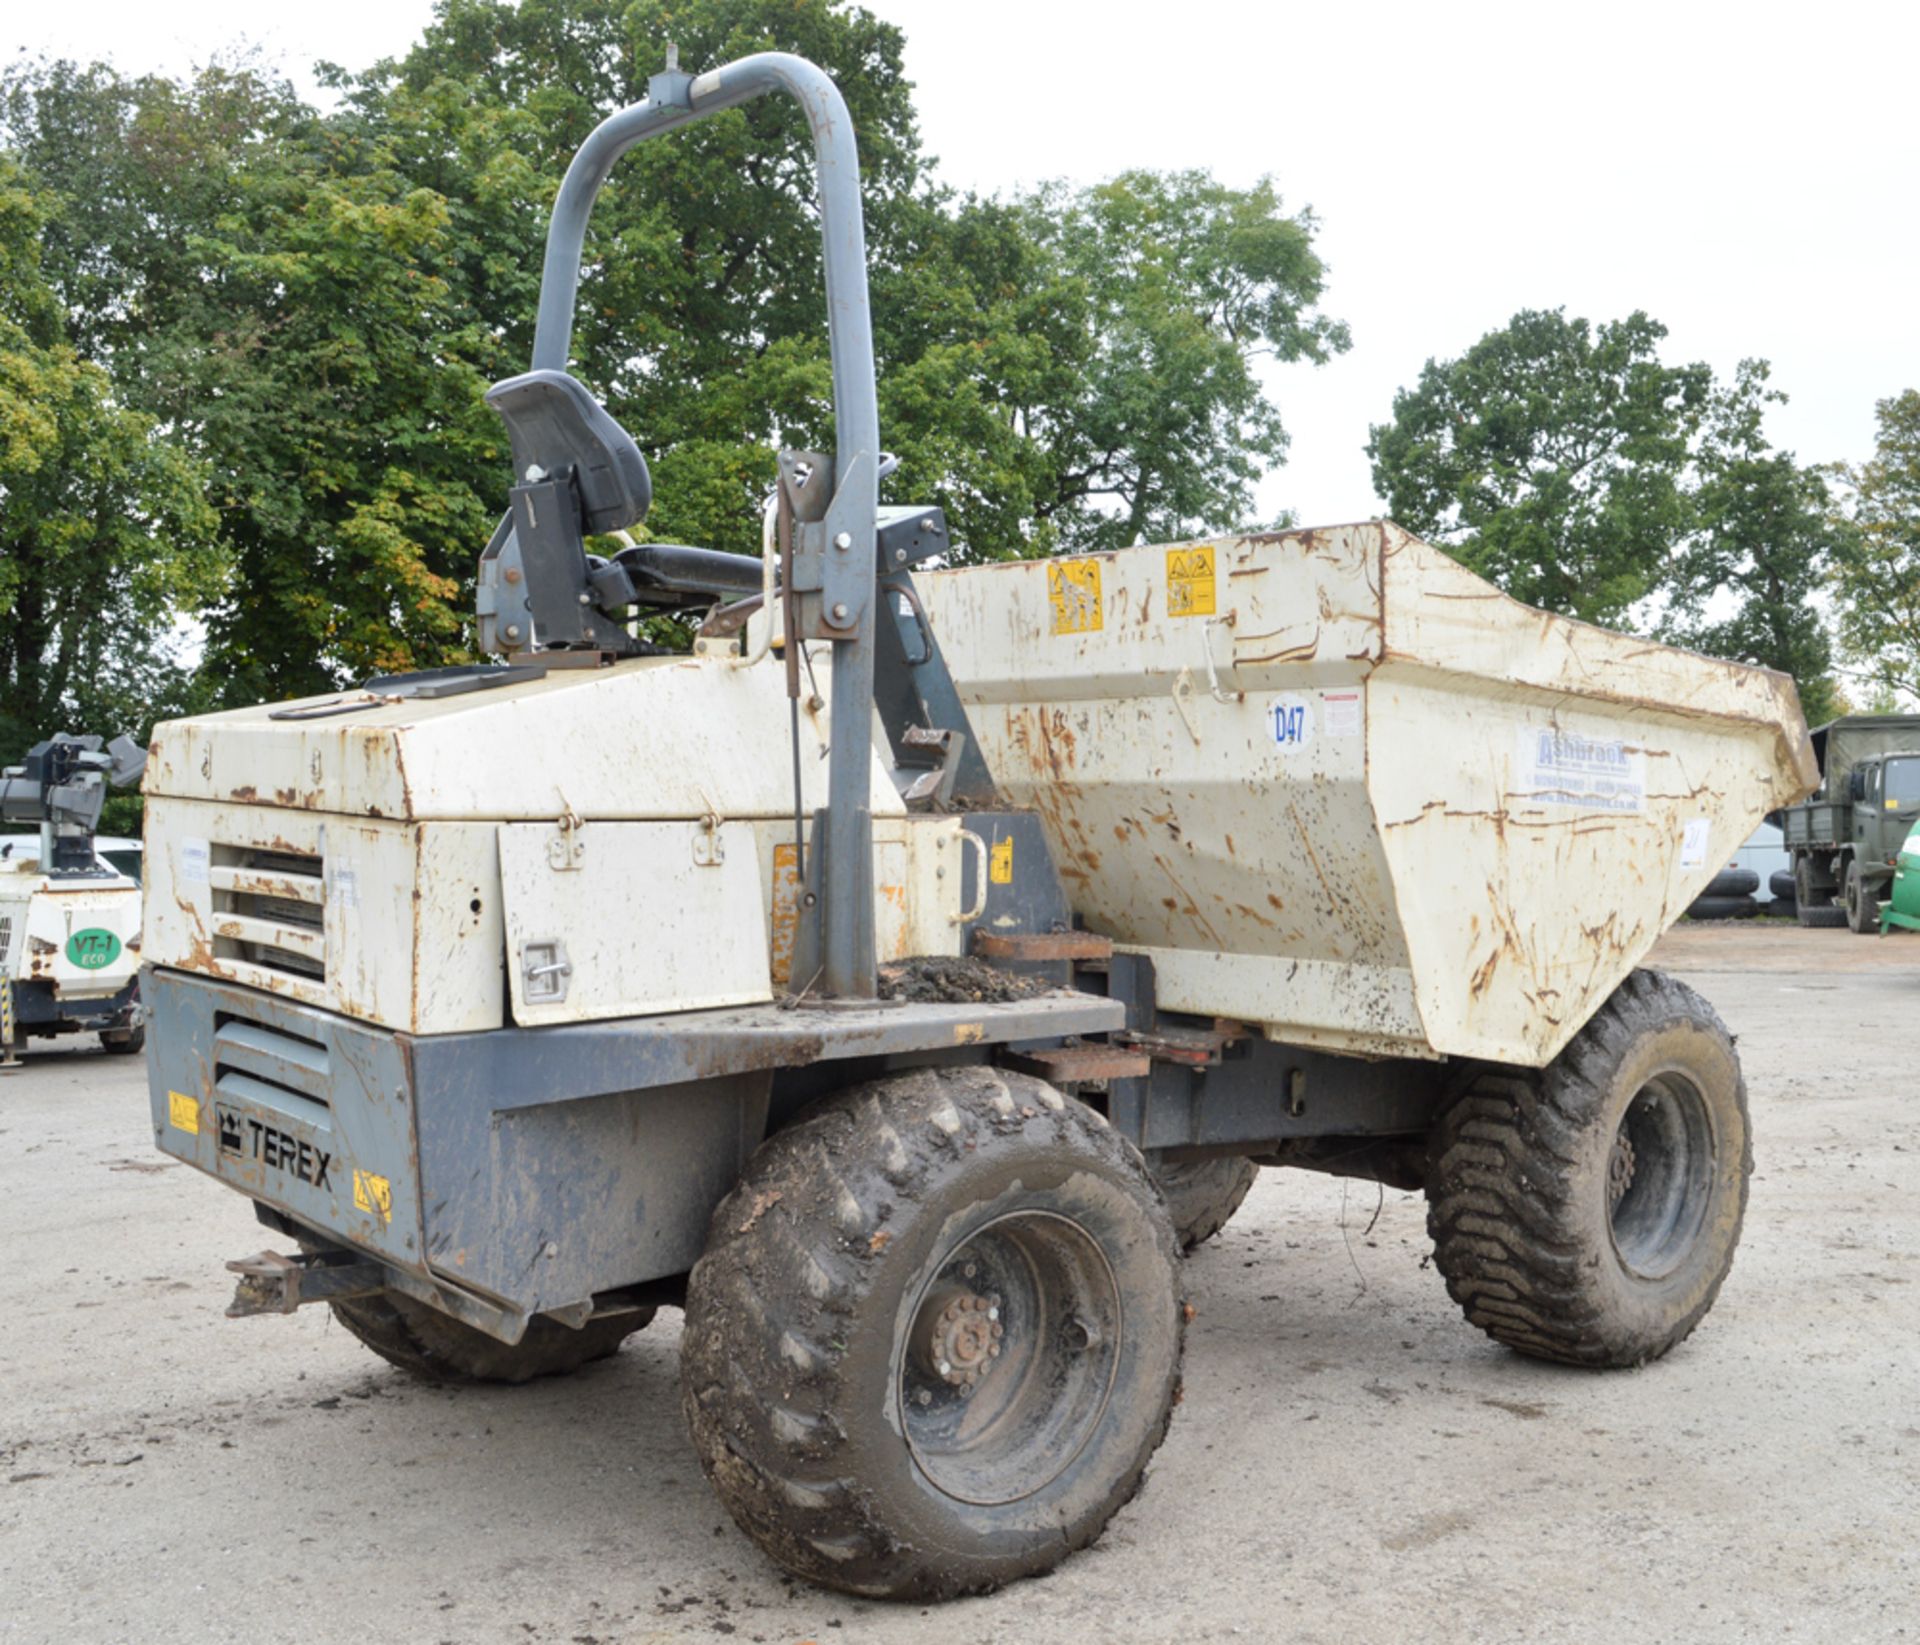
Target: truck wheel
x=124, y=1042
x=935, y=1335
x=435, y=1346
x=1588, y=1211
x=1202, y=1195
x=1863, y=908
x=1813, y=905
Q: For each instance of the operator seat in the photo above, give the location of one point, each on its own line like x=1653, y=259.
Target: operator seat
x=556, y=426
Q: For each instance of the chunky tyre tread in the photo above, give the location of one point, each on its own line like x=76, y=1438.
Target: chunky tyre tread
x=1202, y=1195
x=429, y=1344
x=1505, y=1193
x=791, y=1254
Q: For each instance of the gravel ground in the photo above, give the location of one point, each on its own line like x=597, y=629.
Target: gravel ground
x=1351, y=1461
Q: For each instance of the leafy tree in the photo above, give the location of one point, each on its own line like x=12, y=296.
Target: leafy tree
x=104, y=529
x=1759, y=549
x=1549, y=457
x=313, y=305
x=1569, y=465
x=1878, y=577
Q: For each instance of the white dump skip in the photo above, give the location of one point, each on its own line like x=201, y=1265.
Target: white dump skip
x=1336, y=785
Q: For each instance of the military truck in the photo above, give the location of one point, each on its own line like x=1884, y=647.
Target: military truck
x=1845, y=840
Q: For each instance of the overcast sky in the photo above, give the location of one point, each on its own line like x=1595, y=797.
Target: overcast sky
x=1747, y=173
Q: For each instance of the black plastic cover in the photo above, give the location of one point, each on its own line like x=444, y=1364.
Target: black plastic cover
x=555, y=425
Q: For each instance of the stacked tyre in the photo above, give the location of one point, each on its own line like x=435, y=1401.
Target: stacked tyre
x=1786, y=895
x=1728, y=896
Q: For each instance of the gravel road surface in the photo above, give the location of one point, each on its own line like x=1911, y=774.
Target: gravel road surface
x=1351, y=1462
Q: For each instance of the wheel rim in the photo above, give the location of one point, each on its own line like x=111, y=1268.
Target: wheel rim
x=1009, y=1363
x=1660, y=1175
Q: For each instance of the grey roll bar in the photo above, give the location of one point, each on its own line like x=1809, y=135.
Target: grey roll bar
x=676, y=99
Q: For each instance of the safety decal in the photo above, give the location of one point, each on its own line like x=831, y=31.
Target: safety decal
x=1190, y=582
x=183, y=1112
x=1000, y=862
x=372, y=1194
x=1073, y=590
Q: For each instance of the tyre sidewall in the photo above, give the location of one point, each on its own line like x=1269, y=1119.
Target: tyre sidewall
x=1076, y=1503
x=1645, y=1310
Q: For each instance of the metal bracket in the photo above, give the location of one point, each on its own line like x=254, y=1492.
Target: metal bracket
x=272, y=1283
x=1184, y=692
x=709, y=848
x=566, y=851
x=1213, y=674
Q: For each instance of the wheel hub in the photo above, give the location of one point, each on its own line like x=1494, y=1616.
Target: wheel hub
x=962, y=1338
x=1619, y=1169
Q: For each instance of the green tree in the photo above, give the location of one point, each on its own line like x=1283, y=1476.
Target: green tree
x=1878, y=574
x=105, y=534
x=1759, y=550
x=1549, y=458
x=1573, y=468
x=313, y=304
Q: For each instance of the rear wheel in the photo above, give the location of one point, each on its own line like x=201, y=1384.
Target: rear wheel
x=1862, y=905
x=935, y=1335
x=1588, y=1211
x=1202, y=1195
x=1813, y=903
x=124, y=1042
x=435, y=1346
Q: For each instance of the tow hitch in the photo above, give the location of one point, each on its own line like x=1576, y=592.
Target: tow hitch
x=271, y=1283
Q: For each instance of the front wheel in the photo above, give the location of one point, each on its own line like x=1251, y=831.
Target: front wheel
x=1588, y=1211
x=935, y=1335
x=1863, y=907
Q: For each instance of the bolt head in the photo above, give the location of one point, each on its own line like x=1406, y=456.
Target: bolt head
x=993, y=1313
x=843, y=541
x=840, y=611
x=513, y=631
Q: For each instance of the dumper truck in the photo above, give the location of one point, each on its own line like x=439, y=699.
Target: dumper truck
x=899, y=979
x=1845, y=840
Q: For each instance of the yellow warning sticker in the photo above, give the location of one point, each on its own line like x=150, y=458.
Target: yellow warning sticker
x=786, y=908
x=1000, y=862
x=183, y=1112
x=1190, y=582
x=373, y=1195
x=1073, y=589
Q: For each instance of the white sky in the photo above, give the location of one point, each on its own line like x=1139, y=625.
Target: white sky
x=1747, y=173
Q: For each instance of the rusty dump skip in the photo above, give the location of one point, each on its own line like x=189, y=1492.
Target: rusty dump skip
x=1337, y=785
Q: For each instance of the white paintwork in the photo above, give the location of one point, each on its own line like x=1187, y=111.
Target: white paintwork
x=39, y=914
x=403, y=805
x=653, y=916
x=1397, y=875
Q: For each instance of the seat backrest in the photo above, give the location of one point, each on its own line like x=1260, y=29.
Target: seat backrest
x=555, y=424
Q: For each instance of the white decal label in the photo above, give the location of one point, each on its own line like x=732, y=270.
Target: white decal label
x=1693, y=843
x=194, y=858
x=1555, y=767
x=346, y=888
x=1291, y=719
x=1342, y=710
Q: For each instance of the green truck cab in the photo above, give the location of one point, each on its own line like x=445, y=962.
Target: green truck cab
x=1845, y=842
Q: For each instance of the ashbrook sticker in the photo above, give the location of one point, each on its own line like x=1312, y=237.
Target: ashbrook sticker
x=93, y=949
x=1555, y=767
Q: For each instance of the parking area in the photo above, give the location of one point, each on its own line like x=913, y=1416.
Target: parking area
x=1351, y=1461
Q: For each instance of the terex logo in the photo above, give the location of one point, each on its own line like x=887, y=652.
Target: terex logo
x=246, y=1138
